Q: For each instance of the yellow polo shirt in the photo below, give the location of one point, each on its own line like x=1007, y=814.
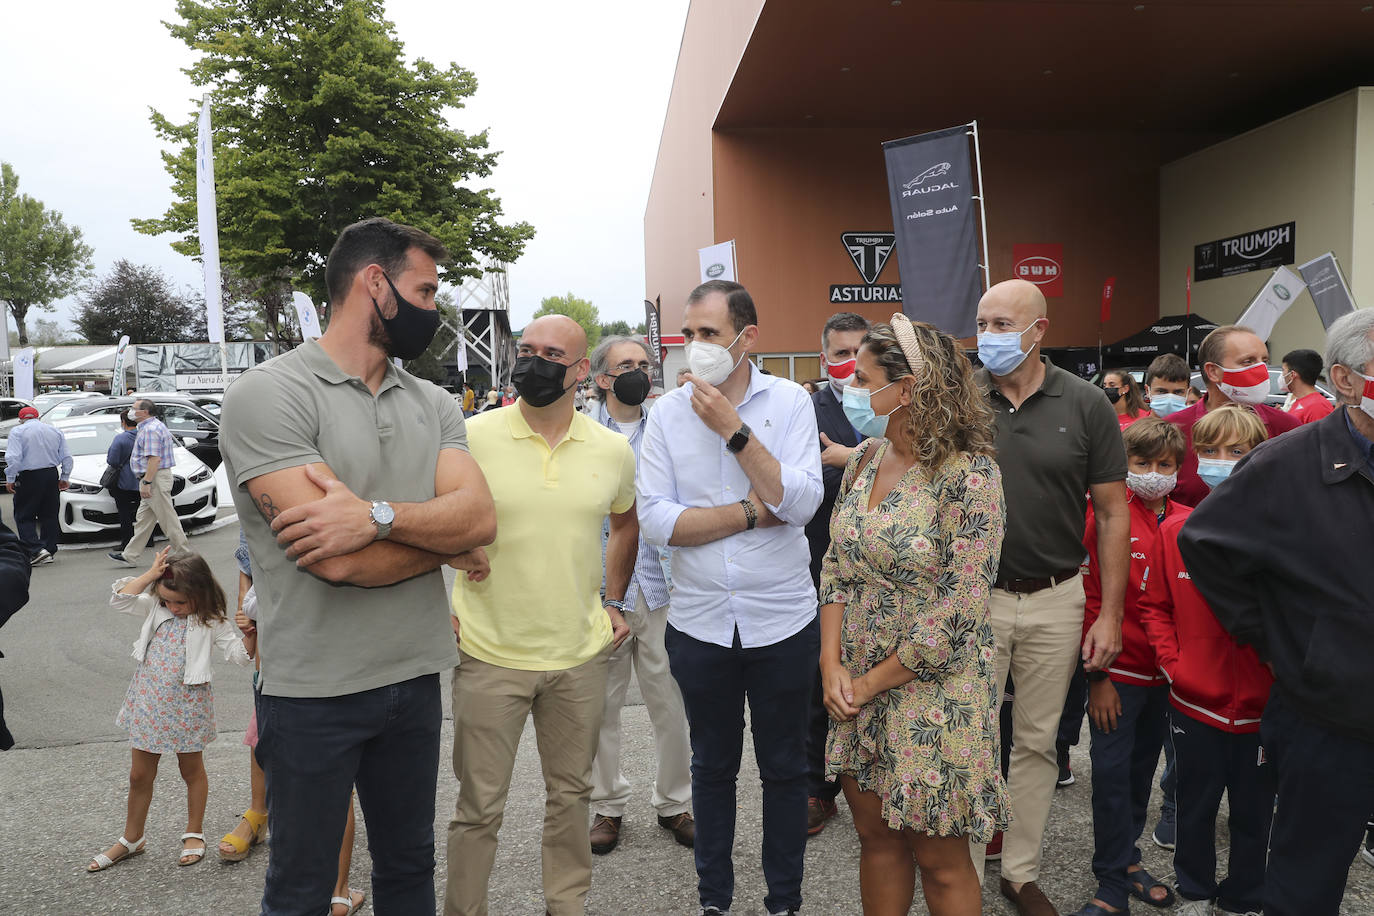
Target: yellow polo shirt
x=540, y=609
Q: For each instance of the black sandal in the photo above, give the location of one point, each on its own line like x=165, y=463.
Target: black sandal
x=1142, y=882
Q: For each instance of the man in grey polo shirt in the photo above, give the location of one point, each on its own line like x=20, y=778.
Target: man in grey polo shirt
x=1057, y=441
x=354, y=485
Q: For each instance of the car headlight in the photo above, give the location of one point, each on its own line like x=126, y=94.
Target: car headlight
x=201, y=476
x=74, y=487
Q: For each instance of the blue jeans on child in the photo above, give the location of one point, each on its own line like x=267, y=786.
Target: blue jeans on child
x=314, y=750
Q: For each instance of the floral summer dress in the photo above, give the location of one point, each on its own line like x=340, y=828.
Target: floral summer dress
x=914, y=574
x=163, y=714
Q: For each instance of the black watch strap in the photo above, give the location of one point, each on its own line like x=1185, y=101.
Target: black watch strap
x=739, y=440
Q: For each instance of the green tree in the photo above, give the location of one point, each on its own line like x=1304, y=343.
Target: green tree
x=42, y=259
x=620, y=327
x=580, y=310
x=141, y=302
x=319, y=122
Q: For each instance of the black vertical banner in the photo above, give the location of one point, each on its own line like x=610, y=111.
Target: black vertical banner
x=655, y=335
x=930, y=180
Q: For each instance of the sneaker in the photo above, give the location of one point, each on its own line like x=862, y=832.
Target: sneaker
x=118, y=558
x=1166, y=831
x=1222, y=911
x=1193, y=908
x=1065, y=774
x=994, y=851
x=42, y=558
x=1367, y=850
x=818, y=811
x=713, y=911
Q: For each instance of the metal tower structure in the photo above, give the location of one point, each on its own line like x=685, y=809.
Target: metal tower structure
x=484, y=304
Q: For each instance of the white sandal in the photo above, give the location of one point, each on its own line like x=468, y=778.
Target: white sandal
x=102, y=861
x=348, y=902
x=187, y=853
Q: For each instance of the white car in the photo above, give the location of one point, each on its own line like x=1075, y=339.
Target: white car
x=88, y=508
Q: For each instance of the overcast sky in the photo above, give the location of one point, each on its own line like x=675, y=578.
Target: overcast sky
x=573, y=93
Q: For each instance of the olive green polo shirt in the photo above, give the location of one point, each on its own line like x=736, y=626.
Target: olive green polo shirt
x=317, y=639
x=1062, y=440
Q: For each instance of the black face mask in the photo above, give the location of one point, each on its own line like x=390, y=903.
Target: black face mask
x=539, y=381
x=411, y=330
x=1113, y=394
x=632, y=387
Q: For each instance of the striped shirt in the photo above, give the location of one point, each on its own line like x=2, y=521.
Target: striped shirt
x=152, y=441
x=34, y=446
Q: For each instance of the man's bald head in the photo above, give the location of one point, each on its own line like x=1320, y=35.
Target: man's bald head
x=1019, y=297
x=558, y=331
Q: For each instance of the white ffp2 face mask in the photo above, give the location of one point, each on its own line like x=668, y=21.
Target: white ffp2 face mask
x=711, y=362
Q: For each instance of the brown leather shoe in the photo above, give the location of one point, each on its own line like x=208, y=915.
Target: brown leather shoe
x=818, y=811
x=1031, y=901
x=683, y=827
x=605, y=833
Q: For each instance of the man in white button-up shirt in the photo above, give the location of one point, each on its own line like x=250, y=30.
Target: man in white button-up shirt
x=729, y=476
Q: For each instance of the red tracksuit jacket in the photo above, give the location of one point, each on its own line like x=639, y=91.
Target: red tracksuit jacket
x=1212, y=678
x=1136, y=664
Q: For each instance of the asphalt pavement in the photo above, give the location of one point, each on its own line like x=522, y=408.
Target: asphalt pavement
x=63, y=791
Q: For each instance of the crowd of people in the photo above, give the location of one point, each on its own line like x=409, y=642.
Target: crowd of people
x=869, y=568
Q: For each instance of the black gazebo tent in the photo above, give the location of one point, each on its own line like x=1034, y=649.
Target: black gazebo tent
x=1171, y=334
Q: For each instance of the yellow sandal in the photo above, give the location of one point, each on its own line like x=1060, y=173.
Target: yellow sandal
x=242, y=847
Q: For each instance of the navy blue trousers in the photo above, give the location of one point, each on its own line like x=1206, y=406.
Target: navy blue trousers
x=1209, y=762
x=1325, y=792
x=313, y=751
x=777, y=681
x=1124, y=762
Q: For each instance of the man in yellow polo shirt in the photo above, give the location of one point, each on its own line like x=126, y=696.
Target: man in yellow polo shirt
x=534, y=631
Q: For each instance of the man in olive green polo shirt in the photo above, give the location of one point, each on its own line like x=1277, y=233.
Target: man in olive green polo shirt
x=1057, y=441
x=535, y=634
x=353, y=485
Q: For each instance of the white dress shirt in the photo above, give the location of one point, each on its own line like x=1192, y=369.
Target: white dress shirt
x=757, y=581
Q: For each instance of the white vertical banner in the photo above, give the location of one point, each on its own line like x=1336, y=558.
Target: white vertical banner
x=462, y=349
x=1271, y=302
x=306, y=316
x=117, y=384
x=4, y=333
x=718, y=262
x=23, y=374
x=209, y=226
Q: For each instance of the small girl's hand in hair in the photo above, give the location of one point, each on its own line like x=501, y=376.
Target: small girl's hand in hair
x=159, y=562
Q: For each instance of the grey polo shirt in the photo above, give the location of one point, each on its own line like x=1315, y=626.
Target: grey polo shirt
x=1062, y=440
x=318, y=639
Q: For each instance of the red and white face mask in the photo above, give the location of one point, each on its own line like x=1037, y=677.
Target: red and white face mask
x=1367, y=396
x=1249, y=385
x=841, y=374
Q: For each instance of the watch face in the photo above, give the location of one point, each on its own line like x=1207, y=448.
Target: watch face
x=383, y=514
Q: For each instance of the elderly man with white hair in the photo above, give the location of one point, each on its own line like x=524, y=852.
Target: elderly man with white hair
x=1281, y=550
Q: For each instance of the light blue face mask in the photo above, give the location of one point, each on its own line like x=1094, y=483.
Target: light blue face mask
x=1213, y=471
x=1002, y=353
x=858, y=408
x=1165, y=404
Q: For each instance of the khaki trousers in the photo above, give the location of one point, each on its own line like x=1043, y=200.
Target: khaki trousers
x=1039, y=639
x=490, y=705
x=156, y=510
x=644, y=649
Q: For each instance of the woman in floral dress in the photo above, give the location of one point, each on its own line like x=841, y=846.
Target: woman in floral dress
x=906, y=646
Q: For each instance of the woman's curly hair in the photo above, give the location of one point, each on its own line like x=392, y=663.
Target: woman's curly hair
x=948, y=412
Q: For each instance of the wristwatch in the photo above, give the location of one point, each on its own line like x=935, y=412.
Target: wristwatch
x=615, y=603
x=382, y=516
x=739, y=440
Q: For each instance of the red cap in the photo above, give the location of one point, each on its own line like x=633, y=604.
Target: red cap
x=28, y=413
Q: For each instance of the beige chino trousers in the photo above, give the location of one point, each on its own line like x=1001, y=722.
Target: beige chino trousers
x=490, y=706
x=156, y=510
x=1039, y=639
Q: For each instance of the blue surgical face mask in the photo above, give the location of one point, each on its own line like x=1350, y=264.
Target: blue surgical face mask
x=858, y=408
x=1002, y=353
x=1165, y=404
x=1213, y=471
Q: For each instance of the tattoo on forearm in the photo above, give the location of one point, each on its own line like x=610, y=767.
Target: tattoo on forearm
x=269, y=508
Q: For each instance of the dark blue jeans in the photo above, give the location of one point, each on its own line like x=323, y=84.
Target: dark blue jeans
x=36, y=506
x=1210, y=762
x=1124, y=762
x=777, y=680
x=1325, y=791
x=314, y=751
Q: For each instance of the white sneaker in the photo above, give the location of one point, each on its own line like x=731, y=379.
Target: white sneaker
x=42, y=558
x=1220, y=911
x=1194, y=908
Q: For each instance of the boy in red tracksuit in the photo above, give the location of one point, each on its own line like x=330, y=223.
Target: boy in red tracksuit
x=1217, y=690
x=1128, y=704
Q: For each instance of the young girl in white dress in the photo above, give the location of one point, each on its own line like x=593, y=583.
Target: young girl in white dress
x=169, y=708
